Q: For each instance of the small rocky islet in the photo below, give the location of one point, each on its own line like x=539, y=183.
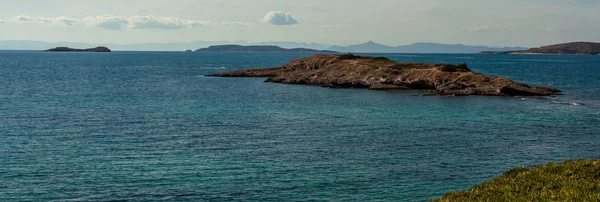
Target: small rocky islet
x=67, y=49
x=379, y=73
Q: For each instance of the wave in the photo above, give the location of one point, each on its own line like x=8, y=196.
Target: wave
x=555, y=101
x=568, y=103
x=222, y=67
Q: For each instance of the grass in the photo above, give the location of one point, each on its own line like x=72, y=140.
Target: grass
x=573, y=180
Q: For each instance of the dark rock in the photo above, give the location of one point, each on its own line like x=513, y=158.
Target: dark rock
x=519, y=91
x=67, y=49
x=347, y=57
x=381, y=58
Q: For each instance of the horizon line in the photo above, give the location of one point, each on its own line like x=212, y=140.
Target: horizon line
x=237, y=42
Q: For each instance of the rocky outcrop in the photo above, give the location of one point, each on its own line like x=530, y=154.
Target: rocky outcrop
x=378, y=73
x=574, y=48
x=67, y=49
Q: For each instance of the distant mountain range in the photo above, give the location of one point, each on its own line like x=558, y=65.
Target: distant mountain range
x=238, y=48
x=369, y=47
x=573, y=48
x=372, y=47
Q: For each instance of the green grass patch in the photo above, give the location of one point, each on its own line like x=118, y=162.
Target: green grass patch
x=573, y=180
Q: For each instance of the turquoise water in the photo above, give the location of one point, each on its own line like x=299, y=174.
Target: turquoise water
x=148, y=126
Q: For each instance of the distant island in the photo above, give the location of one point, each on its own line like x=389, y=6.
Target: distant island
x=574, y=48
x=379, y=73
x=67, y=49
x=239, y=48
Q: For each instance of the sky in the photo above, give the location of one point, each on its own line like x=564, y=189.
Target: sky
x=527, y=23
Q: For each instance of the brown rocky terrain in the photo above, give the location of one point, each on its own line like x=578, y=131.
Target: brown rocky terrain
x=377, y=73
x=574, y=48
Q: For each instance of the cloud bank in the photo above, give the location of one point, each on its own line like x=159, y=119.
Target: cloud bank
x=106, y=21
x=112, y=22
x=43, y=20
x=279, y=18
x=23, y=18
x=237, y=23
x=65, y=20
x=166, y=23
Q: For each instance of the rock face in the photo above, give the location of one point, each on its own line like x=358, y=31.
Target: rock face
x=238, y=48
x=378, y=73
x=67, y=49
x=575, y=48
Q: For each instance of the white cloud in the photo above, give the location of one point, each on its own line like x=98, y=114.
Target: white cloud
x=1, y=21
x=151, y=22
x=23, y=18
x=106, y=21
x=111, y=22
x=65, y=20
x=480, y=28
x=279, y=18
x=44, y=20
x=238, y=23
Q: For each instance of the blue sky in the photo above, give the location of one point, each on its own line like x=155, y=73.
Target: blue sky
x=340, y=22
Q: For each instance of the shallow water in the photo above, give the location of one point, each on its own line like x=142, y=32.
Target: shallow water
x=148, y=126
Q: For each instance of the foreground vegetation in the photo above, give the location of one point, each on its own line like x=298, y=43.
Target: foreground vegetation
x=569, y=181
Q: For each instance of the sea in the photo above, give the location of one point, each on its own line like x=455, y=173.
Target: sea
x=150, y=126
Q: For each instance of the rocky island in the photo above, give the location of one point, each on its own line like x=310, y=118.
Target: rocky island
x=67, y=49
x=238, y=48
x=574, y=48
x=379, y=73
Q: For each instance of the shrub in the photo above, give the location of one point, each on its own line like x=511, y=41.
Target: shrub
x=347, y=57
x=381, y=58
x=569, y=181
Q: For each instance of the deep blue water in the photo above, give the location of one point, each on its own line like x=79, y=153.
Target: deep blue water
x=148, y=126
